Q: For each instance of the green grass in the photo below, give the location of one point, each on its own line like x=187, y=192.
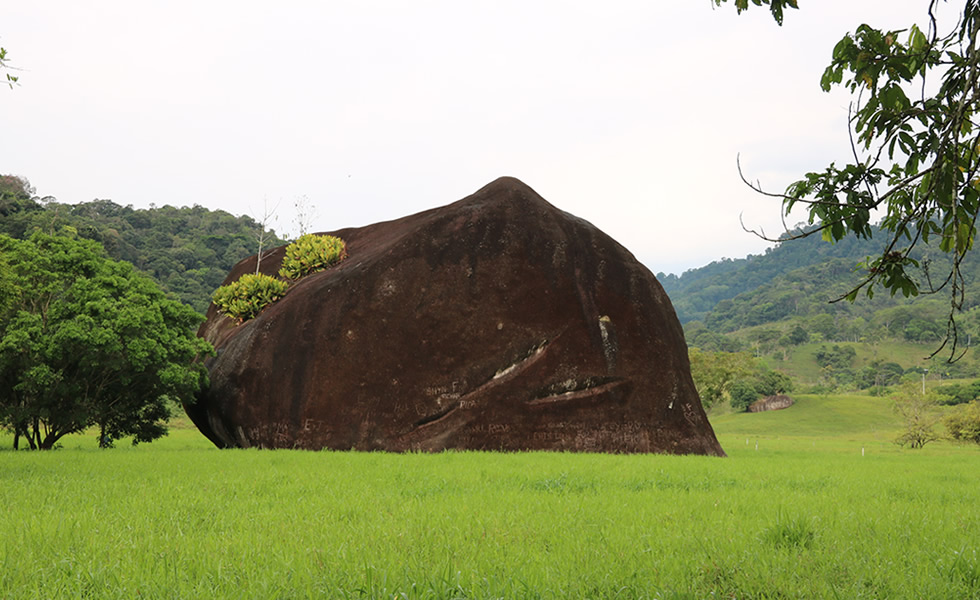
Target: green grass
x=823, y=417
x=805, y=515
x=802, y=364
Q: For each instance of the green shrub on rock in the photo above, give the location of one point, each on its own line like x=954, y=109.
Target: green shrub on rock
x=244, y=298
x=311, y=253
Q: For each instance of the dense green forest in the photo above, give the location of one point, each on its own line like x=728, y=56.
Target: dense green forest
x=801, y=278
x=188, y=250
x=798, y=282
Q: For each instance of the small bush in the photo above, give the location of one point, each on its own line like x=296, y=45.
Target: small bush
x=963, y=424
x=742, y=394
x=244, y=298
x=311, y=253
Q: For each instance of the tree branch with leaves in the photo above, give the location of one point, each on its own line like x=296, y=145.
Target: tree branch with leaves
x=915, y=154
x=10, y=79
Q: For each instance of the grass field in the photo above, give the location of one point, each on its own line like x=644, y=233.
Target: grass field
x=803, y=366
x=813, y=502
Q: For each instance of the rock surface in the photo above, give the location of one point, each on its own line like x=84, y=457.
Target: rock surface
x=497, y=322
x=777, y=402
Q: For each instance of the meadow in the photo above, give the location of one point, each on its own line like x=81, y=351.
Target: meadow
x=812, y=502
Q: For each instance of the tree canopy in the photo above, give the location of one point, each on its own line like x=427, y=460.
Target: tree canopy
x=916, y=152
x=776, y=7
x=87, y=341
x=188, y=250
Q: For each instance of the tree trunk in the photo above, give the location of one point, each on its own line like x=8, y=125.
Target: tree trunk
x=49, y=441
x=34, y=437
x=104, y=441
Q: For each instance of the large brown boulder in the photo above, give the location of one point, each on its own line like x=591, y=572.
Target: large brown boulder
x=777, y=402
x=497, y=322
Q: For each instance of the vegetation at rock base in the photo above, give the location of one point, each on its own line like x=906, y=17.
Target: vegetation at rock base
x=87, y=341
x=715, y=373
x=737, y=378
x=742, y=394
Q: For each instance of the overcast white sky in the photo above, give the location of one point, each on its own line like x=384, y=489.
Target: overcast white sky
x=629, y=114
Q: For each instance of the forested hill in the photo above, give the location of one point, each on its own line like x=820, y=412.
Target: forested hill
x=696, y=292
x=759, y=301
x=188, y=250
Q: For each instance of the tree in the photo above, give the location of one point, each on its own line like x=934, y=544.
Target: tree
x=87, y=341
x=715, y=372
x=836, y=357
x=264, y=234
x=743, y=394
x=919, y=416
x=770, y=383
x=306, y=213
x=823, y=324
x=916, y=154
x=798, y=336
x=187, y=250
x=880, y=373
x=776, y=7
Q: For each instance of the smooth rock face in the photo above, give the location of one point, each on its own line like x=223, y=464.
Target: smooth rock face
x=777, y=402
x=497, y=322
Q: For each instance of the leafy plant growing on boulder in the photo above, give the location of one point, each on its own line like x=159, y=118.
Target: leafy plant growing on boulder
x=244, y=298
x=311, y=253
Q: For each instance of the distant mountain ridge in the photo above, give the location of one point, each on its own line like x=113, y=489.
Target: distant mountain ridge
x=696, y=292
x=764, y=302
x=778, y=307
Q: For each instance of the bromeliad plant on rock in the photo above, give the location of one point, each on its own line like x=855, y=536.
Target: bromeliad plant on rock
x=249, y=294
x=311, y=253
x=252, y=292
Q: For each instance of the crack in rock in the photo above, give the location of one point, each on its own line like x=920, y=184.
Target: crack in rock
x=573, y=390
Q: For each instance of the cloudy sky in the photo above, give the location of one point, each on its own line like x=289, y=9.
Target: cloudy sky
x=629, y=114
